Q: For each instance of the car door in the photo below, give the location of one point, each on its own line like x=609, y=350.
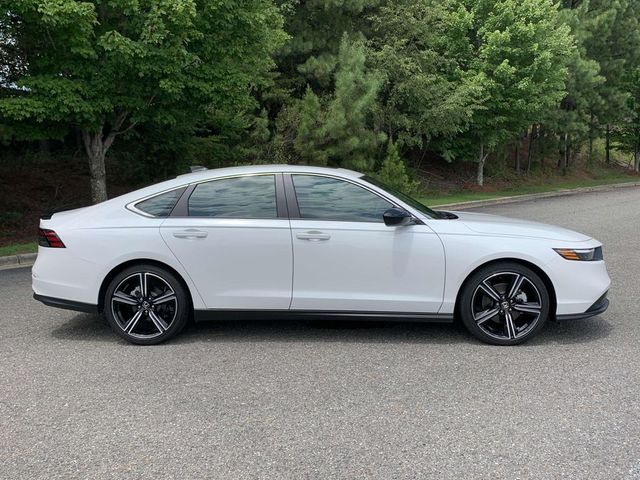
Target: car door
x=232, y=235
x=347, y=259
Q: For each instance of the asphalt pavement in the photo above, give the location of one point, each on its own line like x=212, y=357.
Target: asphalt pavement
x=329, y=400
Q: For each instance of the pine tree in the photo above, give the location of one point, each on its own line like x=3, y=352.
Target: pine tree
x=350, y=141
x=393, y=171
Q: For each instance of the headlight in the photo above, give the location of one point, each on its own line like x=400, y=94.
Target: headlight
x=580, y=254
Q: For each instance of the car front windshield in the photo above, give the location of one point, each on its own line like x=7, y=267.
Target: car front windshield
x=405, y=198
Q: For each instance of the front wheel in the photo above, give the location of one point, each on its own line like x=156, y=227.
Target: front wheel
x=504, y=304
x=146, y=305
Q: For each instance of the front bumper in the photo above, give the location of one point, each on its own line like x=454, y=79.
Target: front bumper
x=600, y=306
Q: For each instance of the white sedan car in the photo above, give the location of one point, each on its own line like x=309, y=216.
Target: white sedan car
x=302, y=241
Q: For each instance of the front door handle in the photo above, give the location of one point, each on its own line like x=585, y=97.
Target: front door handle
x=190, y=233
x=313, y=236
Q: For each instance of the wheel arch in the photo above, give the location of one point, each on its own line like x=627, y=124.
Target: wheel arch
x=539, y=271
x=129, y=263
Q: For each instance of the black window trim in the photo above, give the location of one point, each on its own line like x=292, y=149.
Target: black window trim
x=294, y=209
x=133, y=206
x=181, y=209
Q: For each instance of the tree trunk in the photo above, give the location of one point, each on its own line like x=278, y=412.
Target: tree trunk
x=530, y=149
x=607, y=147
x=590, y=157
x=481, y=160
x=96, y=146
x=96, y=152
x=636, y=158
x=518, y=155
x=565, y=155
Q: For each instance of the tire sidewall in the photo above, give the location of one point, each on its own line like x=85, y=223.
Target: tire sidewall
x=472, y=283
x=182, y=313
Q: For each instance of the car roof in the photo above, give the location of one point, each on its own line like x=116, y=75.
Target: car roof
x=206, y=174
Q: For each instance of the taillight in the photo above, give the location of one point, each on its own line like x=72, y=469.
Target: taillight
x=49, y=238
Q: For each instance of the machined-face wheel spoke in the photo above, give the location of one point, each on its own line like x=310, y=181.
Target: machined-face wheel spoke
x=131, y=324
x=509, y=325
x=143, y=283
x=164, y=298
x=534, y=308
x=515, y=288
x=124, y=298
x=482, y=317
x=489, y=290
x=160, y=324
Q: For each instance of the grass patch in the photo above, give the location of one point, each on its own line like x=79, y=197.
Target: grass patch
x=435, y=198
x=31, y=247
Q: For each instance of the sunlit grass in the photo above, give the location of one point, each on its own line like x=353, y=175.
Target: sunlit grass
x=18, y=248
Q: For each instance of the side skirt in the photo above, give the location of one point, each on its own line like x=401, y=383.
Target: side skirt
x=220, y=314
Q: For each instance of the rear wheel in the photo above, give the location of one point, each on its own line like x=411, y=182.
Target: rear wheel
x=504, y=304
x=146, y=305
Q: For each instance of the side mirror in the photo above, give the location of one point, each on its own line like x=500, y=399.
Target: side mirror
x=397, y=217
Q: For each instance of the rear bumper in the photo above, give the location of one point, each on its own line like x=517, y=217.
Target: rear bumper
x=600, y=306
x=67, y=304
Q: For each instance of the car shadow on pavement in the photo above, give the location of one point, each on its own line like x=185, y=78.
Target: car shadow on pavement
x=573, y=331
x=86, y=327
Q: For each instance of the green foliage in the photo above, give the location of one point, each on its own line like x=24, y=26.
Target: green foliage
x=520, y=57
x=148, y=59
x=393, y=172
x=219, y=82
x=422, y=47
x=106, y=66
x=308, y=141
x=349, y=140
x=316, y=29
x=627, y=134
x=336, y=130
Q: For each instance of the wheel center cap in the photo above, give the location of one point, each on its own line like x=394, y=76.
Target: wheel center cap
x=505, y=305
x=146, y=305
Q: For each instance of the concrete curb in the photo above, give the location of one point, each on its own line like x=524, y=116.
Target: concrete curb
x=20, y=260
x=534, y=196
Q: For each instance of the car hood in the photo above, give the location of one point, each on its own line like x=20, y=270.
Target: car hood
x=504, y=226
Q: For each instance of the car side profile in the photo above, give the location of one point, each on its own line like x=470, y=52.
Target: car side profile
x=308, y=241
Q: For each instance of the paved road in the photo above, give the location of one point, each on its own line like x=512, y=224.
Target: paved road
x=323, y=400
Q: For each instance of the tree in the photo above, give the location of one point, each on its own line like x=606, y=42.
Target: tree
x=393, y=171
x=350, y=140
x=422, y=48
x=337, y=129
x=308, y=140
x=612, y=38
x=572, y=121
x=106, y=66
x=626, y=136
x=317, y=28
x=608, y=43
x=519, y=56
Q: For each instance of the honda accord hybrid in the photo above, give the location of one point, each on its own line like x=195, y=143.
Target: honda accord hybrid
x=304, y=241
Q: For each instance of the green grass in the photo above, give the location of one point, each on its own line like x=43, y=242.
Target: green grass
x=436, y=199
x=17, y=248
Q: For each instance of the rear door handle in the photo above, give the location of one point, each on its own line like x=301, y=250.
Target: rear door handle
x=313, y=236
x=190, y=233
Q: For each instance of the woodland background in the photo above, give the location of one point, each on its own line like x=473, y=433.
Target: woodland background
x=435, y=97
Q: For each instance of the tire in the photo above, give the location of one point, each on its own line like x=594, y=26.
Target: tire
x=146, y=304
x=504, y=303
